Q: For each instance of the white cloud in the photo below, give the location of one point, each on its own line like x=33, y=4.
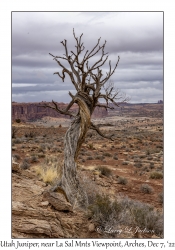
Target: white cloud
x=136, y=36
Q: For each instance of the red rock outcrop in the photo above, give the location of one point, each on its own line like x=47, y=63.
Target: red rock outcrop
x=34, y=111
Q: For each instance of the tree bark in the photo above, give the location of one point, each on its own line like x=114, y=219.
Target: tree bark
x=74, y=138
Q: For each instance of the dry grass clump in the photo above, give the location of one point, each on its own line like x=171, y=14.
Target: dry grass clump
x=156, y=175
x=49, y=175
x=50, y=171
x=104, y=170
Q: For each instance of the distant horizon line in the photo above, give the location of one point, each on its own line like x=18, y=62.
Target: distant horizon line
x=158, y=102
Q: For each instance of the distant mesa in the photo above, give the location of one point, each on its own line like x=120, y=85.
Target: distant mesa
x=33, y=111
x=160, y=102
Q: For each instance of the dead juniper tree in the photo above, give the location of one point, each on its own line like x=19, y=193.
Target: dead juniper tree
x=91, y=92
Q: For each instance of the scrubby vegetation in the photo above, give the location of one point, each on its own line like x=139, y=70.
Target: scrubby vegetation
x=124, y=176
x=109, y=214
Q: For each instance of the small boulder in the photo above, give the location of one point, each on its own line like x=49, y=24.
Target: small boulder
x=58, y=201
x=91, y=228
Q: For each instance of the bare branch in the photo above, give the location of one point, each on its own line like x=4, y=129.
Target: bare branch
x=94, y=127
x=111, y=72
x=104, y=106
x=61, y=111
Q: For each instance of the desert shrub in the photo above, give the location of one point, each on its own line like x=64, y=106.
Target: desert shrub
x=99, y=157
x=34, y=158
x=147, y=152
x=18, y=120
x=30, y=134
x=17, y=157
x=41, y=155
x=54, y=149
x=17, y=141
x=107, y=154
x=124, y=211
x=124, y=163
x=115, y=157
x=142, y=215
x=160, y=198
x=103, y=210
x=156, y=175
x=142, y=156
x=122, y=180
x=25, y=165
x=146, y=217
x=127, y=150
x=14, y=132
x=91, y=146
x=105, y=170
x=151, y=165
x=138, y=165
x=89, y=187
x=146, y=189
x=90, y=158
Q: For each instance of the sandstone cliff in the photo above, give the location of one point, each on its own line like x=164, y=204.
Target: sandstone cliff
x=33, y=111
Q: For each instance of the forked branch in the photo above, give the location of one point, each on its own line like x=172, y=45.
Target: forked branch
x=60, y=111
x=96, y=128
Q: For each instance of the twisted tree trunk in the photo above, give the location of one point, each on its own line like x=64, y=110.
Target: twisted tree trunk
x=74, y=138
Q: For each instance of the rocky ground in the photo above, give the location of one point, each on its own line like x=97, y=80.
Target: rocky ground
x=129, y=167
